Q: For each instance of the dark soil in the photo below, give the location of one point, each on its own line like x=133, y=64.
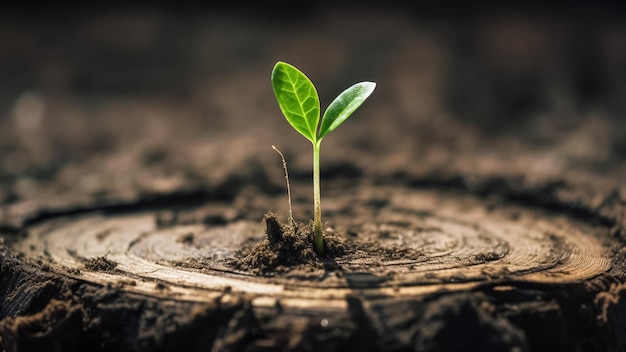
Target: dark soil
x=287, y=246
x=100, y=264
x=475, y=202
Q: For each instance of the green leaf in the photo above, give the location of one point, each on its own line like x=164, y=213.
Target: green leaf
x=344, y=105
x=297, y=98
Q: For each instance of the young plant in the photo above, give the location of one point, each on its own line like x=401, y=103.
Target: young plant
x=299, y=102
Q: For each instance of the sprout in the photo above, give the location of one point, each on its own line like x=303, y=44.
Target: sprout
x=299, y=102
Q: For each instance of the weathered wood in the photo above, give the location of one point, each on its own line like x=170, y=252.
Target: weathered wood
x=423, y=261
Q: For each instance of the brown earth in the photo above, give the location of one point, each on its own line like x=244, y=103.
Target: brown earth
x=475, y=202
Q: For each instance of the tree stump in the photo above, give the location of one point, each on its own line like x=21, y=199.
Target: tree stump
x=429, y=267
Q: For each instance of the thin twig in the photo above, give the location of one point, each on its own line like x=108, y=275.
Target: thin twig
x=290, y=220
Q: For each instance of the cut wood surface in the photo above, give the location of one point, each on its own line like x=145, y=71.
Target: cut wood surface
x=420, y=242
x=436, y=254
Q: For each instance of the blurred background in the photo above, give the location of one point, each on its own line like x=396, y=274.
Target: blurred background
x=112, y=99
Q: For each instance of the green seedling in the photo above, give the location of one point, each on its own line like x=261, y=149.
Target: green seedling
x=299, y=102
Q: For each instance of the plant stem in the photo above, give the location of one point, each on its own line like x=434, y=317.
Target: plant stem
x=317, y=219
